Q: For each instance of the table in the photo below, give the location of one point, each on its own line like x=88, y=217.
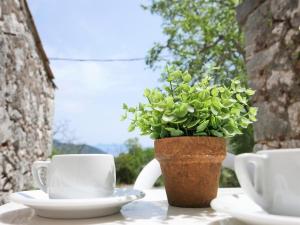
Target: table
x=153, y=209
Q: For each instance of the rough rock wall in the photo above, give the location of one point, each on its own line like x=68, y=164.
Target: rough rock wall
x=26, y=97
x=272, y=42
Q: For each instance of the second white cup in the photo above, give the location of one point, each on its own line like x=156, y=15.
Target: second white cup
x=274, y=183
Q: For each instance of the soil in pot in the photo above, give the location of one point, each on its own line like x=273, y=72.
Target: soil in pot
x=191, y=168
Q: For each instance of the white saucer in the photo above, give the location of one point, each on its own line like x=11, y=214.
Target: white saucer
x=75, y=208
x=243, y=208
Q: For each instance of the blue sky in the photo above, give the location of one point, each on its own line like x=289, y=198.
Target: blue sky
x=90, y=95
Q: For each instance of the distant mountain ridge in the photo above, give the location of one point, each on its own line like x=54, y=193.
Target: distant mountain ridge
x=113, y=149
x=69, y=148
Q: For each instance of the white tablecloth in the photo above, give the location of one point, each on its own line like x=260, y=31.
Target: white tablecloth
x=153, y=209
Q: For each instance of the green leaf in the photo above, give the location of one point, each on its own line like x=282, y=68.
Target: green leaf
x=182, y=110
x=241, y=89
x=250, y=92
x=169, y=101
x=124, y=117
x=141, y=106
x=216, y=133
x=193, y=123
x=159, y=109
x=226, y=132
x=253, y=111
x=221, y=89
x=235, y=81
x=163, y=133
x=245, y=120
x=168, y=118
x=252, y=118
x=179, y=121
x=216, y=103
x=154, y=135
x=236, y=111
x=131, y=127
x=200, y=134
x=214, y=110
x=187, y=78
x=174, y=132
x=190, y=109
x=202, y=126
x=241, y=99
x=213, y=121
x=131, y=109
x=147, y=92
x=214, y=92
x=227, y=103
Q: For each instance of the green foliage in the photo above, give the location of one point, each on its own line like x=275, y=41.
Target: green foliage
x=237, y=145
x=201, y=109
x=54, y=152
x=129, y=165
x=228, y=178
x=200, y=34
x=242, y=143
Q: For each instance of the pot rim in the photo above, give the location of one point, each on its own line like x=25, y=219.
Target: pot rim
x=194, y=137
x=189, y=147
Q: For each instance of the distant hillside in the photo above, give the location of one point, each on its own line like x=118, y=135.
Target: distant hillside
x=66, y=148
x=113, y=149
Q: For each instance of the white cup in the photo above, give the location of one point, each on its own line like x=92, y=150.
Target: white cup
x=274, y=182
x=77, y=176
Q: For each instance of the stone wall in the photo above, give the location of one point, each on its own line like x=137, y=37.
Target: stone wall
x=272, y=44
x=26, y=97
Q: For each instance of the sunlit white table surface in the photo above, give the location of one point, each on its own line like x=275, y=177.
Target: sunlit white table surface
x=153, y=209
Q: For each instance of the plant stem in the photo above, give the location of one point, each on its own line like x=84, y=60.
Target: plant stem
x=148, y=100
x=172, y=91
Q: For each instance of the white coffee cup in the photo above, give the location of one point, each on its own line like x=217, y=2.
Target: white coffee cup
x=274, y=183
x=77, y=176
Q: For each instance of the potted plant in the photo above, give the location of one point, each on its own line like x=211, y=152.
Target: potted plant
x=189, y=123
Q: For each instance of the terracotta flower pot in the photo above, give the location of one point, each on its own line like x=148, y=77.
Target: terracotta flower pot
x=191, y=168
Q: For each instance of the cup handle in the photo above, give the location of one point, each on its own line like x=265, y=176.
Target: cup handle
x=254, y=188
x=37, y=165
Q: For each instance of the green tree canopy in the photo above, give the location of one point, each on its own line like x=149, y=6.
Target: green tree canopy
x=130, y=164
x=201, y=34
